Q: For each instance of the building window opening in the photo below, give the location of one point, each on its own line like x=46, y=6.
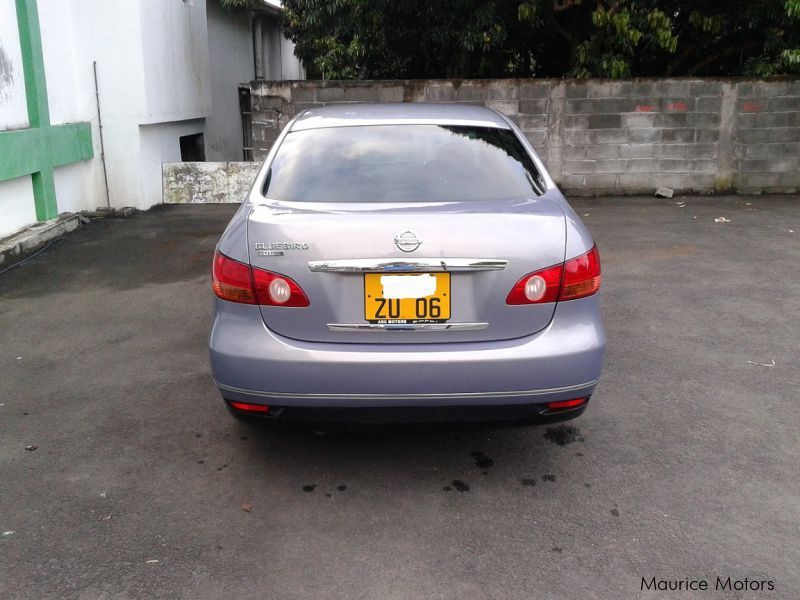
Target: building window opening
x=193, y=148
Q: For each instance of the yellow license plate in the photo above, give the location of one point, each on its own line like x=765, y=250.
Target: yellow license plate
x=406, y=298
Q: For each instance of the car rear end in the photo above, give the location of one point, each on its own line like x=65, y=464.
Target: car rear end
x=406, y=264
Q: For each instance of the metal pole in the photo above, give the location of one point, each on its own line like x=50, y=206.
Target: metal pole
x=100, y=127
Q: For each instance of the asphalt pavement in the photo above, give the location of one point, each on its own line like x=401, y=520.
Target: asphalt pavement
x=123, y=476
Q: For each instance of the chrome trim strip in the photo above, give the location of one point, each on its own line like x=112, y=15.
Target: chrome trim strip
x=380, y=327
x=568, y=388
x=388, y=265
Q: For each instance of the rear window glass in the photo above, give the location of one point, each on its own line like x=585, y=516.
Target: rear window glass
x=402, y=163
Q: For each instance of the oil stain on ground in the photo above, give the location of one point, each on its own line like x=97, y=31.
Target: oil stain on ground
x=459, y=485
x=563, y=435
x=481, y=460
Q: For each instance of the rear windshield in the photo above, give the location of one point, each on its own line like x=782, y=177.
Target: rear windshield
x=402, y=163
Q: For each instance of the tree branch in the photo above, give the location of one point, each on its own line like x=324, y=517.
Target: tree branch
x=710, y=60
x=680, y=59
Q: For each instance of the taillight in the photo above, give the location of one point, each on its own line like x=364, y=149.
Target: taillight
x=581, y=276
x=231, y=280
x=577, y=278
x=536, y=288
x=273, y=289
x=237, y=282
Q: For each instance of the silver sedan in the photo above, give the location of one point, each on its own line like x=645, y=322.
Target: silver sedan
x=405, y=262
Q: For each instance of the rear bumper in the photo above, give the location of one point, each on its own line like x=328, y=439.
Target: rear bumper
x=512, y=414
x=252, y=364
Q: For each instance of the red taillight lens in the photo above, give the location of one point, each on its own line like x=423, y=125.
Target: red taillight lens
x=581, y=276
x=574, y=279
x=277, y=290
x=251, y=408
x=536, y=288
x=237, y=282
x=565, y=404
x=231, y=280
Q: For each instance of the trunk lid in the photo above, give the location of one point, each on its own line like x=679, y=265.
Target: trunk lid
x=284, y=237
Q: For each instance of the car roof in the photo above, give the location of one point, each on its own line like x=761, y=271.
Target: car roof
x=406, y=113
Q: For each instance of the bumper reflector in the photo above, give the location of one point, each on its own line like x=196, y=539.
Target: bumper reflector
x=251, y=408
x=565, y=404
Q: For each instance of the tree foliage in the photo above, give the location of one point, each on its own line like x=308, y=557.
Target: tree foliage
x=240, y=4
x=374, y=39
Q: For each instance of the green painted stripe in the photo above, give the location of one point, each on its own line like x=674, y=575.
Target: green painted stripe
x=44, y=192
x=26, y=151
x=21, y=151
x=38, y=150
x=70, y=143
x=30, y=41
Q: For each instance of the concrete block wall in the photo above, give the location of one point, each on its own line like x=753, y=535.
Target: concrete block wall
x=636, y=136
x=600, y=136
x=206, y=182
x=767, y=140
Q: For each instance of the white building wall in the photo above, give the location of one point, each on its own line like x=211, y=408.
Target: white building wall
x=158, y=144
x=71, y=99
x=174, y=46
x=79, y=186
x=279, y=60
x=152, y=70
x=230, y=49
x=165, y=68
x=177, y=91
x=110, y=34
x=13, y=106
x=17, y=208
x=75, y=33
x=291, y=67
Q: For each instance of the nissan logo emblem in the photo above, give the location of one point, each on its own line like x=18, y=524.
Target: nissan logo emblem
x=407, y=241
